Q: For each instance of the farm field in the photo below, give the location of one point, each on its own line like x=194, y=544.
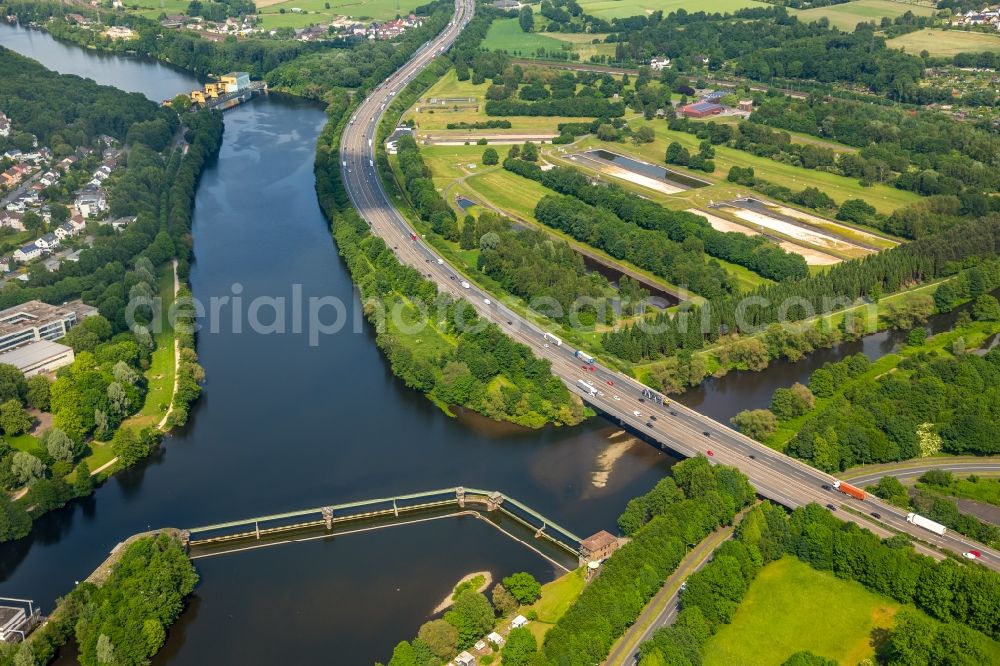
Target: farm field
x=839, y=188
x=609, y=9
x=436, y=118
x=785, y=605
x=848, y=15
x=315, y=11
x=946, y=42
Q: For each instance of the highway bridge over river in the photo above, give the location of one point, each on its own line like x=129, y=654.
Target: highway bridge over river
x=775, y=476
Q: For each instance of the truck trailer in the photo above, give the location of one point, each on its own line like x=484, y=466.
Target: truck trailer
x=587, y=387
x=585, y=357
x=848, y=489
x=553, y=339
x=926, y=523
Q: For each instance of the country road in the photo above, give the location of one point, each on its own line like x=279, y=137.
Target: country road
x=671, y=426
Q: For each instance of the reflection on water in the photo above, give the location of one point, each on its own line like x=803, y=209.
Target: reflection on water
x=646, y=169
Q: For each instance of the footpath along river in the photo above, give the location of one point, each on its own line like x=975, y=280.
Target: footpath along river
x=283, y=424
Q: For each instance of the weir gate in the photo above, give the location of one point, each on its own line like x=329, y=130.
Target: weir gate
x=362, y=515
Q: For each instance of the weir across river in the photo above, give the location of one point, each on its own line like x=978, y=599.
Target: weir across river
x=332, y=519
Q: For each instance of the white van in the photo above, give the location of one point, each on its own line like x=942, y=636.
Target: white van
x=465, y=285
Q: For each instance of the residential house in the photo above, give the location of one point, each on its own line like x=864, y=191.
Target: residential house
x=120, y=223
x=658, y=64
x=6, y=128
x=27, y=253
x=78, y=223
x=91, y=202
x=64, y=231
x=12, y=220
x=48, y=242
x=519, y=621
x=495, y=638
x=5, y=263
x=119, y=32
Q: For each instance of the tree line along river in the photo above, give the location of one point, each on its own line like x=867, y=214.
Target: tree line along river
x=284, y=425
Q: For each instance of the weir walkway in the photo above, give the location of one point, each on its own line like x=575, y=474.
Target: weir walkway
x=232, y=535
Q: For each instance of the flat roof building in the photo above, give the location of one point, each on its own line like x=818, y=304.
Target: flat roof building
x=34, y=321
x=702, y=109
x=38, y=357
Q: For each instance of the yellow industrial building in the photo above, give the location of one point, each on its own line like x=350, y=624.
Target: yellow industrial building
x=228, y=83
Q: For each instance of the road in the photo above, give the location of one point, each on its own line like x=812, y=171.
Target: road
x=913, y=469
x=661, y=611
x=671, y=426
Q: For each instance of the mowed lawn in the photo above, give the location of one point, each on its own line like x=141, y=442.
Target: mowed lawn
x=506, y=35
x=848, y=15
x=160, y=375
x=609, y=9
x=946, y=42
x=792, y=607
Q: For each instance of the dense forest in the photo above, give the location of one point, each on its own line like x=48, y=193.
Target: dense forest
x=933, y=404
x=64, y=111
x=887, y=272
x=123, y=621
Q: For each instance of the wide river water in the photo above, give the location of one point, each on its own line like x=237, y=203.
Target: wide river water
x=283, y=425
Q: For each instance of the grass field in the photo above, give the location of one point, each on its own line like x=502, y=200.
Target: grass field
x=884, y=199
x=981, y=490
x=946, y=42
x=316, y=11
x=792, y=607
x=437, y=118
x=160, y=375
x=848, y=15
x=556, y=599
x=506, y=35
x=609, y=9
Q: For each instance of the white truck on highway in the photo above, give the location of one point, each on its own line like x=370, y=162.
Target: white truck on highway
x=553, y=339
x=587, y=387
x=926, y=523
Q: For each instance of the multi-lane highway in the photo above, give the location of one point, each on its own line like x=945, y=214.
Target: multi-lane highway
x=672, y=426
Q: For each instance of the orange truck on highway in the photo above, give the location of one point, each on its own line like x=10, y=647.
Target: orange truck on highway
x=848, y=489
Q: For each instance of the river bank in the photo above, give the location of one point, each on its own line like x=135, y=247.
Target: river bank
x=283, y=424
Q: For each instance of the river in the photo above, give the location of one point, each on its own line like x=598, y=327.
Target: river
x=283, y=425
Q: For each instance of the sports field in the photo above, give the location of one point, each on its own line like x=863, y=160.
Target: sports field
x=848, y=15
x=946, y=42
x=609, y=9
